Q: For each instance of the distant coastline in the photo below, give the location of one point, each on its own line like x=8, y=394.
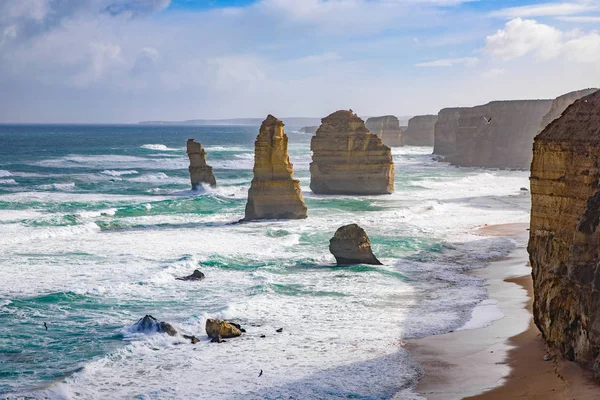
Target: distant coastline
x=293, y=121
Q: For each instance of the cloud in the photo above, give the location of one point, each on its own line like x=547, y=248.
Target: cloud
x=493, y=73
x=450, y=62
x=590, y=19
x=528, y=37
x=546, y=9
x=136, y=8
x=319, y=58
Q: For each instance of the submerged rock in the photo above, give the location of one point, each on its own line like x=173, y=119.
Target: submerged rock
x=192, y=338
x=387, y=128
x=200, y=172
x=348, y=159
x=215, y=328
x=217, y=339
x=149, y=324
x=351, y=245
x=564, y=234
x=274, y=193
x=197, y=275
x=420, y=131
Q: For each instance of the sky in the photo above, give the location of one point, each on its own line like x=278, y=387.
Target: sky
x=124, y=61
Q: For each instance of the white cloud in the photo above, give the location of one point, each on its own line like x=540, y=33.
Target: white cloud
x=493, y=73
x=319, y=58
x=547, y=9
x=586, y=19
x=528, y=37
x=450, y=62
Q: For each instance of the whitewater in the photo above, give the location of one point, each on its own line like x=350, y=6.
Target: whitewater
x=97, y=222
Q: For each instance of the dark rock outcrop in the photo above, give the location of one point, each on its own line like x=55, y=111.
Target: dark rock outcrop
x=420, y=131
x=197, y=275
x=149, y=324
x=351, y=245
x=274, y=193
x=216, y=328
x=200, y=172
x=348, y=159
x=387, y=128
x=564, y=239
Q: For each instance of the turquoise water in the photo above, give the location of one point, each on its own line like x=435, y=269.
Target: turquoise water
x=96, y=222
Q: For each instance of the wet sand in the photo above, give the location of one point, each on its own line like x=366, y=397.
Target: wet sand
x=503, y=360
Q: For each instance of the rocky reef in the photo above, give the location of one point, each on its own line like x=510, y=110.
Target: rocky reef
x=560, y=104
x=387, y=128
x=149, y=324
x=420, y=131
x=220, y=329
x=274, y=193
x=445, y=131
x=564, y=232
x=348, y=159
x=200, y=172
x=351, y=245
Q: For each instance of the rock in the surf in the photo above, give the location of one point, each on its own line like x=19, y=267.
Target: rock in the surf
x=351, y=245
x=197, y=275
x=215, y=328
x=274, y=193
x=149, y=324
x=200, y=172
x=193, y=339
x=348, y=159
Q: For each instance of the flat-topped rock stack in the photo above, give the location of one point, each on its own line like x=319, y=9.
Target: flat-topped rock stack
x=274, y=193
x=348, y=159
x=387, y=128
x=200, y=172
x=445, y=131
x=564, y=234
x=420, y=131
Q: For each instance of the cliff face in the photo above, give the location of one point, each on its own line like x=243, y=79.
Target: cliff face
x=387, y=128
x=348, y=159
x=564, y=237
x=445, y=131
x=420, y=131
x=504, y=141
x=274, y=193
x=560, y=104
x=200, y=172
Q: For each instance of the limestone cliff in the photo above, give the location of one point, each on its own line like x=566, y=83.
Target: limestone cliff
x=420, y=131
x=387, y=128
x=564, y=239
x=348, y=159
x=274, y=193
x=560, y=104
x=498, y=134
x=200, y=172
x=445, y=132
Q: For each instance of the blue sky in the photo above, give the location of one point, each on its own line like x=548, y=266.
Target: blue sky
x=131, y=60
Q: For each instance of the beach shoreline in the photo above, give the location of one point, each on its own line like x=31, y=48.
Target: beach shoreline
x=505, y=359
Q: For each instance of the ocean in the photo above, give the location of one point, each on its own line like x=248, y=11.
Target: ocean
x=97, y=222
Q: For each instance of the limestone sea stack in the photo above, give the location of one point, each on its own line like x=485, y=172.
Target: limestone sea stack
x=560, y=104
x=351, y=245
x=387, y=128
x=274, y=193
x=564, y=233
x=445, y=132
x=348, y=159
x=200, y=172
x=420, y=131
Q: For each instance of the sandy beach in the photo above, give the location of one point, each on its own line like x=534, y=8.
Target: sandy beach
x=506, y=359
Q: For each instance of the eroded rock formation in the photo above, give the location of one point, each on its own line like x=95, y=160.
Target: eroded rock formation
x=560, y=104
x=387, y=128
x=200, y=172
x=445, y=132
x=348, y=159
x=351, y=245
x=216, y=328
x=564, y=237
x=274, y=193
x=309, y=129
x=149, y=324
x=420, y=131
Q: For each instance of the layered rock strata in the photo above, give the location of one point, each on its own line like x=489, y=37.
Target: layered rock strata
x=351, y=245
x=420, y=131
x=387, y=128
x=348, y=159
x=200, y=172
x=564, y=237
x=274, y=193
x=445, y=131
